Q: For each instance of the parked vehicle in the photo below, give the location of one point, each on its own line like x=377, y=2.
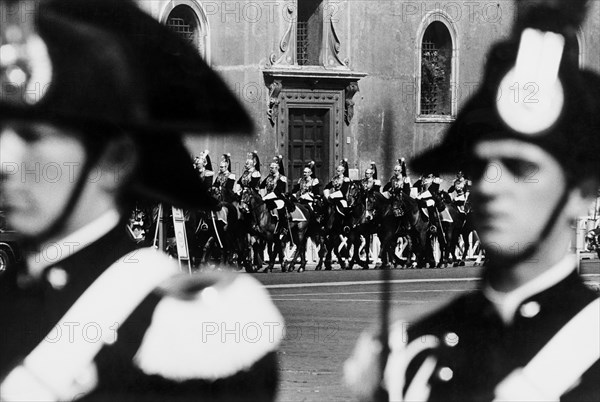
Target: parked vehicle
x=9, y=249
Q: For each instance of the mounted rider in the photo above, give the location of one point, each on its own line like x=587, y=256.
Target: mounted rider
x=461, y=187
x=275, y=187
x=371, y=185
x=429, y=197
x=308, y=186
x=203, y=166
x=336, y=190
x=400, y=182
x=251, y=176
x=222, y=187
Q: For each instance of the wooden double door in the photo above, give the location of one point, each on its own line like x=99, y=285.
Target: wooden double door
x=308, y=139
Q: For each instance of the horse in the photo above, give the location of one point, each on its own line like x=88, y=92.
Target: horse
x=317, y=230
x=419, y=231
x=334, y=228
x=217, y=239
x=392, y=224
x=360, y=224
x=297, y=236
x=261, y=226
x=446, y=233
x=464, y=227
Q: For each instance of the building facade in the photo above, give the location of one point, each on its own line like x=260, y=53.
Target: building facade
x=365, y=80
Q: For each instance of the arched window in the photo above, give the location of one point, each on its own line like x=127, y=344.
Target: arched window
x=436, y=57
x=189, y=21
x=436, y=68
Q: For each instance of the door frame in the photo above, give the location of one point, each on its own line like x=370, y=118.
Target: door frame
x=332, y=100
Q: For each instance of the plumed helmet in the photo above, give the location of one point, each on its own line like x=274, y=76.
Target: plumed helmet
x=227, y=158
x=279, y=160
x=205, y=155
x=105, y=67
x=344, y=163
x=373, y=167
x=254, y=156
x=564, y=121
x=402, y=164
x=311, y=165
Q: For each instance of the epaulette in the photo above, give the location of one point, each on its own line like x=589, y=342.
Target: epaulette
x=346, y=179
x=283, y=178
x=256, y=173
x=209, y=173
x=232, y=177
x=377, y=182
x=208, y=327
x=315, y=182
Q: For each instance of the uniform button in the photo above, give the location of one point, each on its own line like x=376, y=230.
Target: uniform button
x=58, y=278
x=451, y=339
x=445, y=374
x=530, y=310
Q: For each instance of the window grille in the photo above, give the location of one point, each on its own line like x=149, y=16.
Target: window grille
x=182, y=28
x=436, y=65
x=302, y=43
x=432, y=97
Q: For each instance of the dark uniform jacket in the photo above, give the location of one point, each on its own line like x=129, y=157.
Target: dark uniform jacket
x=478, y=350
x=275, y=184
x=397, y=184
x=338, y=184
x=250, y=179
x=311, y=186
x=207, y=177
x=223, y=186
x=30, y=308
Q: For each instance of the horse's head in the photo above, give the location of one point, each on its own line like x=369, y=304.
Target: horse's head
x=355, y=194
x=445, y=196
x=246, y=200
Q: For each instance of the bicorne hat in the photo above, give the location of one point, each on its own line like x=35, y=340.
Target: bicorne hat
x=563, y=116
x=105, y=67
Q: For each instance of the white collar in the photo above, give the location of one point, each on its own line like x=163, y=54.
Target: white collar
x=52, y=252
x=507, y=303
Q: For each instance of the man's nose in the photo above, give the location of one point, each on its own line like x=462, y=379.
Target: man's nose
x=491, y=181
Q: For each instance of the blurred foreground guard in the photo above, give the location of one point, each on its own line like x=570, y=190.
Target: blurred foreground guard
x=102, y=93
x=531, y=332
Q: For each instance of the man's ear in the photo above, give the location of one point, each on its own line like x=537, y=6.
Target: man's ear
x=117, y=164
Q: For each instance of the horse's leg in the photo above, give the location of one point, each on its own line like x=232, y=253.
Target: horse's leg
x=343, y=252
x=329, y=248
x=322, y=252
x=384, y=250
x=271, y=252
x=301, y=249
x=367, y=251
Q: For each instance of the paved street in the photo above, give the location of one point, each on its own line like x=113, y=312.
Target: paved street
x=325, y=312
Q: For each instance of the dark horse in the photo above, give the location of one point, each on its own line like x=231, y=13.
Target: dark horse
x=463, y=227
x=360, y=223
x=263, y=226
x=298, y=235
x=333, y=229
